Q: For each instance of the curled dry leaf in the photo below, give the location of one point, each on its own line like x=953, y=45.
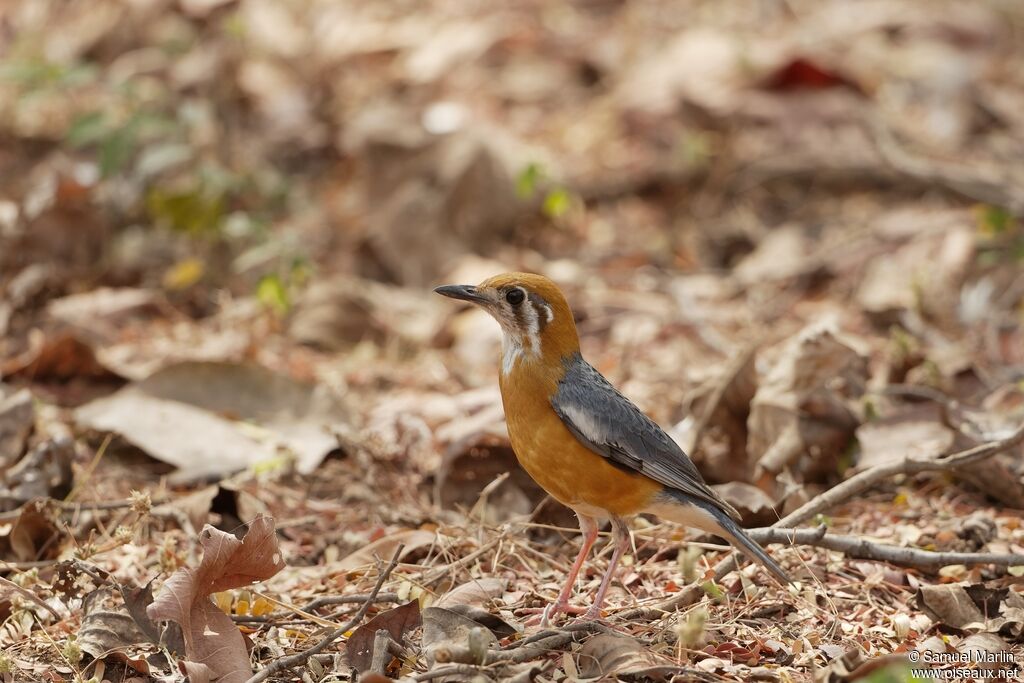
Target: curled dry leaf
x=106, y=624
x=915, y=434
x=34, y=535
x=450, y=636
x=754, y=505
x=17, y=415
x=211, y=638
x=397, y=622
x=383, y=548
x=58, y=357
x=44, y=473
x=975, y=608
x=799, y=417
x=614, y=656
x=476, y=592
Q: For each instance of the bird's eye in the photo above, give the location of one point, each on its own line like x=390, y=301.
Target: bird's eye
x=515, y=296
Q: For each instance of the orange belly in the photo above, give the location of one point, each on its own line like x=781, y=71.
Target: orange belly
x=560, y=463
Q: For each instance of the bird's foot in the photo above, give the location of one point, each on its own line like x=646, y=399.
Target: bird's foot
x=542, y=616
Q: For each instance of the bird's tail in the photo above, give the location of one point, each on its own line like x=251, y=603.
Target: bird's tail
x=698, y=513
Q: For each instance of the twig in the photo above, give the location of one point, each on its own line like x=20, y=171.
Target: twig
x=76, y=506
x=299, y=658
x=859, y=483
x=464, y=671
x=850, y=488
x=861, y=548
x=275, y=617
x=29, y=595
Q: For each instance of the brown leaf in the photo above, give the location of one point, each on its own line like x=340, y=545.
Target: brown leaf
x=475, y=592
x=614, y=656
x=190, y=415
x=397, y=621
x=106, y=624
x=384, y=548
x=801, y=407
x=754, y=505
x=59, y=357
x=446, y=633
x=974, y=608
x=137, y=601
x=211, y=638
x=34, y=535
x=17, y=415
x=914, y=434
x=44, y=473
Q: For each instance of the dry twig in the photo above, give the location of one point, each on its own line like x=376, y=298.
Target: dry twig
x=861, y=548
x=299, y=658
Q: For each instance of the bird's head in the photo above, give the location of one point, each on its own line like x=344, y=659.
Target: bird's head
x=534, y=316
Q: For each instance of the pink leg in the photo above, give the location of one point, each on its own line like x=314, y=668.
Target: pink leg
x=589, y=528
x=621, y=545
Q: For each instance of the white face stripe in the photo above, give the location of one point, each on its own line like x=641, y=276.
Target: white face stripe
x=516, y=344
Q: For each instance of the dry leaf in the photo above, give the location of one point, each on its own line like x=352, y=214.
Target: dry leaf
x=915, y=434
x=17, y=415
x=44, y=473
x=614, y=656
x=384, y=548
x=397, y=621
x=799, y=417
x=211, y=638
x=474, y=592
x=177, y=416
x=446, y=634
x=106, y=624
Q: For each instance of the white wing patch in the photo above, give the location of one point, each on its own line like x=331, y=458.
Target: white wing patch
x=584, y=422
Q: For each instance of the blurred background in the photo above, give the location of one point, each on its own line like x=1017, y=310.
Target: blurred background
x=790, y=230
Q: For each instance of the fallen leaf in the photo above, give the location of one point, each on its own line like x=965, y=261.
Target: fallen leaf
x=34, y=534
x=106, y=624
x=137, y=601
x=476, y=592
x=614, y=656
x=446, y=634
x=383, y=548
x=191, y=415
x=211, y=638
x=799, y=417
x=17, y=415
x=915, y=434
x=397, y=621
x=44, y=473
x=56, y=358
x=973, y=608
x=754, y=505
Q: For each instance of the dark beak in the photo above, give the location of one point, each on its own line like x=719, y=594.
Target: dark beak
x=463, y=292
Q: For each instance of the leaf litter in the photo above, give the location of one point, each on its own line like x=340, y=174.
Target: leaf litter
x=802, y=251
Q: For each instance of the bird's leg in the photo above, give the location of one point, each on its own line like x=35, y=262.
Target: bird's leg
x=588, y=526
x=622, y=544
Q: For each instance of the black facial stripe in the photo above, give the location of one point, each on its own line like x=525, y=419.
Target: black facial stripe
x=540, y=309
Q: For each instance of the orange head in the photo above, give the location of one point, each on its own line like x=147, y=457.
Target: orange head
x=535, y=317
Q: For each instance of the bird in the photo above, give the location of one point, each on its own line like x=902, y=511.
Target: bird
x=585, y=443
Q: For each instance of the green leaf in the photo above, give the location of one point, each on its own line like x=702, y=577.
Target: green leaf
x=192, y=211
x=87, y=129
x=273, y=294
x=995, y=220
x=115, y=151
x=528, y=180
x=557, y=203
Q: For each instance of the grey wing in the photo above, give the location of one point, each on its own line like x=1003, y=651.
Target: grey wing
x=609, y=424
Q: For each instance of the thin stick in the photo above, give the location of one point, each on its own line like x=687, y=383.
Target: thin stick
x=861, y=548
x=30, y=595
x=850, y=488
x=865, y=480
x=299, y=658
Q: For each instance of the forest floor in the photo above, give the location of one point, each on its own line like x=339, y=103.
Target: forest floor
x=241, y=437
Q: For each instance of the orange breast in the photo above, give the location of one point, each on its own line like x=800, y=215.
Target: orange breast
x=564, y=467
